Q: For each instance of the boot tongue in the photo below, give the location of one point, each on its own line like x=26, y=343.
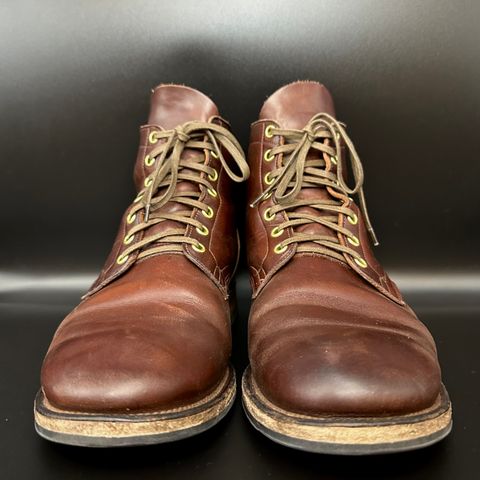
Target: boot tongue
x=293, y=105
x=173, y=105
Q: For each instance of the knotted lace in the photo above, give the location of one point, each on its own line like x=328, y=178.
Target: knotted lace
x=172, y=168
x=323, y=134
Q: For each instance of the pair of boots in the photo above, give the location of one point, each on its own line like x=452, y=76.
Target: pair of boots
x=338, y=362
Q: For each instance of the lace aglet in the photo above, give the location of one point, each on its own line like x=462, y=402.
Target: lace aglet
x=147, y=212
x=373, y=236
x=257, y=200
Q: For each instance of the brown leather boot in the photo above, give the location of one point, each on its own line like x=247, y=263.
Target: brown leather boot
x=339, y=362
x=145, y=356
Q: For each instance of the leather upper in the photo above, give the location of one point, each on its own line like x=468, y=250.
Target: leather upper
x=172, y=105
x=323, y=341
x=153, y=333
x=157, y=337
x=327, y=336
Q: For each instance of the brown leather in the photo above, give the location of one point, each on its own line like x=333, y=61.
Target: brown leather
x=327, y=337
x=152, y=334
x=219, y=260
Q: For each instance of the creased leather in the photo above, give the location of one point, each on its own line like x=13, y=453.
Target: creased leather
x=220, y=256
x=152, y=334
x=327, y=337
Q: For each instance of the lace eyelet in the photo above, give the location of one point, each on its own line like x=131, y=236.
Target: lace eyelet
x=152, y=138
x=203, y=230
x=128, y=239
x=333, y=160
x=267, y=215
x=360, y=262
x=214, y=155
x=354, y=241
x=213, y=177
x=149, y=161
x=199, y=247
x=276, y=232
x=148, y=181
x=138, y=197
x=131, y=218
x=267, y=156
x=279, y=249
x=212, y=192
x=268, y=180
x=268, y=131
x=121, y=259
x=353, y=219
x=208, y=213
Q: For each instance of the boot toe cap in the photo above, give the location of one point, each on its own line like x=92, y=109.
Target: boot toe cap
x=349, y=372
x=132, y=371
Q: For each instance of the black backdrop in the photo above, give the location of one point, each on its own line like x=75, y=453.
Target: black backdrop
x=74, y=88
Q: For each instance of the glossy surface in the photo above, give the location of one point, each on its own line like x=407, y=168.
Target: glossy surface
x=326, y=336
x=233, y=449
x=153, y=332
x=72, y=94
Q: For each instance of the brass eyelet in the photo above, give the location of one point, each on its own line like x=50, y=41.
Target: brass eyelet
x=131, y=218
x=333, y=160
x=138, y=197
x=212, y=192
x=361, y=262
x=213, y=177
x=208, y=213
x=276, y=232
x=214, y=155
x=121, y=259
x=267, y=156
x=152, y=138
x=148, y=181
x=279, y=249
x=353, y=219
x=199, y=247
x=267, y=215
x=149, y=161
x=128, y=239
x=268, y=179
x=268, y=131
x=203, y=230
x=354, y=241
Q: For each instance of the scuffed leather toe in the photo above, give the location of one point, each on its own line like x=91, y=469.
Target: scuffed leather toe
x=334, y=346
x=349, y=371
x=140, y=355
x=107, y=377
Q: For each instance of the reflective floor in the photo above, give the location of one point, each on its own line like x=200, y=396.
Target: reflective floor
x=233, y=449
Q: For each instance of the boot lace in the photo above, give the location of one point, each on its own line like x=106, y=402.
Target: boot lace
x=298, y=171
x=172, y=168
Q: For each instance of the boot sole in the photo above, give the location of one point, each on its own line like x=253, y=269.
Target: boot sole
x=346, y=436
x=115, y=430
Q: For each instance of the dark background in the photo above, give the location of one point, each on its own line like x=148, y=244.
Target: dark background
x=74, y=88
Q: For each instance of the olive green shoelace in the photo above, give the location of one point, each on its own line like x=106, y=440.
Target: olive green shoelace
x=298, y=172
x=171, y=169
